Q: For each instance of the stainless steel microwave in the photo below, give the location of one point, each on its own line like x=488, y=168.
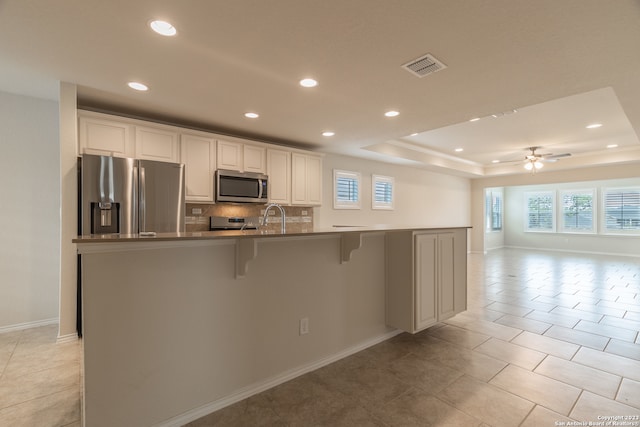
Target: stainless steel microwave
x=247, y=187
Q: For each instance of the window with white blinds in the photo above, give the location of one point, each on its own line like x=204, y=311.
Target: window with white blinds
x=621, y=210
x=493, y=210
x=540, y=211
x=382, y=192
x=346, y=187
x=578, y=211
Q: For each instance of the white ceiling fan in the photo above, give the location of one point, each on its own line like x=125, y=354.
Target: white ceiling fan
x=534, y=161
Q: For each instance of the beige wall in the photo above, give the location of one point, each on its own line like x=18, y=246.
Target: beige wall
x=423, y=198
x=168, y=330
x=69, y=209
x=30, y=213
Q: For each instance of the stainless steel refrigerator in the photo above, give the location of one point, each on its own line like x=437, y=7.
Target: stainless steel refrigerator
x=129, y=196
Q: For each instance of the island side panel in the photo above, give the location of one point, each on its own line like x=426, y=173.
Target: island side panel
x=168, y=330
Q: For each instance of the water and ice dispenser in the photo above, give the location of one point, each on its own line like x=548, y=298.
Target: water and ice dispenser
x=105, y=217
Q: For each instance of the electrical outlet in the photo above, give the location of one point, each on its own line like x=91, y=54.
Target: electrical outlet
x=304, y=326
x=304, y=213
x=196, y=211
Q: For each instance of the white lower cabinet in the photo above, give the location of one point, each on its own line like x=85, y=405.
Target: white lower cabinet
x=426, y=277
x=198, y=153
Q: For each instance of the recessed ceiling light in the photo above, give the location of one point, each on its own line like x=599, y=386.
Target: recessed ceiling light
x=612, y=146
x=163, y=28
x=495, y=161
x=308, y=82
x=458, y=150
x=414, y=134
x=391, y=113
x=251, y=115
x=138, y=86
x=328, y=133
x=475, y=119
x=594, y=126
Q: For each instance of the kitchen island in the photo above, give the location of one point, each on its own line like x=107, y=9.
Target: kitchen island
x=179, y=325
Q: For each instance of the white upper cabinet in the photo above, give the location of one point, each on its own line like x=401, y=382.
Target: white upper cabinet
x=105, y=137
x=229, y=155
x=198, y=153
x=109, y=135
x=156, y=144
x=295, y=176
x=279, y=171
x=241, y=157
x=255, y=159
x=314, y=180
x=306, y=173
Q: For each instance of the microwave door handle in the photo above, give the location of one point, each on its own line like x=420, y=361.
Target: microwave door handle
x=143, y=206
x=260, y=188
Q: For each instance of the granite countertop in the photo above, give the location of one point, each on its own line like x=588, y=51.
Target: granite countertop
x=235, y=234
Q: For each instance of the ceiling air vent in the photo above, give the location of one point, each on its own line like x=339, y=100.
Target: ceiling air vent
x=424, y=65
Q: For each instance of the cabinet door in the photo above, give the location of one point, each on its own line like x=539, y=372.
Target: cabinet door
x=314, y=180
x=156, y=144
x=198, y=155
x=105, y=137
x=229, y=155
x=299, y=179
x=279, y=171
x=255, y=159
x=446, y=275
x=426, y=280
x=306, y=176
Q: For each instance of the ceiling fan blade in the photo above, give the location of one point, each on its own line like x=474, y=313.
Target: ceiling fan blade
x=514, y=161
x=555, y=156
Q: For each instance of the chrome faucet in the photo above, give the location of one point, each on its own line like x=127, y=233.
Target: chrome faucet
x=282, y=214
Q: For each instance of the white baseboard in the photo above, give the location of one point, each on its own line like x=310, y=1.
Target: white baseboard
x=28, y=325
x=572, y=251
x=261, y=386
x=67, y=338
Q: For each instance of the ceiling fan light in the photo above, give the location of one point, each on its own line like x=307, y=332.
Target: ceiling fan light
x=538, y=165
x=528, y=166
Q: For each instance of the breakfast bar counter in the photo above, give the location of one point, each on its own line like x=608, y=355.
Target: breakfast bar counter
x=178, y=325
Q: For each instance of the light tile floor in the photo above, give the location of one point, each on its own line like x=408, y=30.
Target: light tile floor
x=39, y=379
x=548, y=338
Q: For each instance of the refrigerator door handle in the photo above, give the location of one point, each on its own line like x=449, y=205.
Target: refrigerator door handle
x=143, y=206
x=134, y=200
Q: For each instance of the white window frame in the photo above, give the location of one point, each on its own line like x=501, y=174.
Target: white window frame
x=594, y=210
x=382, y=204
x=490, y=195
x=353, y=203
x=603, y=203
x=532, y=194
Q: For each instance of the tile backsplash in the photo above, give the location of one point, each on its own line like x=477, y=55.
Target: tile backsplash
x=299, y=218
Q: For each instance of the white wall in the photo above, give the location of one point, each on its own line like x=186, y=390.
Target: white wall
x=30, y=213
x=478, y=186
x=422, y=197
x=515, y=236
